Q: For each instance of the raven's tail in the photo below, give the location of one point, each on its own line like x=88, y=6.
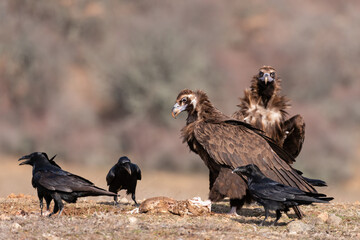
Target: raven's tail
x=316, y=182
x=96, y=191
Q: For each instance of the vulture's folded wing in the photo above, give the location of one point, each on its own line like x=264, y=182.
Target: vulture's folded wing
x=233, y=146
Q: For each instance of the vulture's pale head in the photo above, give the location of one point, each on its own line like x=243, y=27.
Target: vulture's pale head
x=266, y=75
x=186, y=101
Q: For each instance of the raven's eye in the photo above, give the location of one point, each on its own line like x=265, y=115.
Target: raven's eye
x=261, y=74
x=183, y=100
x=272, y=74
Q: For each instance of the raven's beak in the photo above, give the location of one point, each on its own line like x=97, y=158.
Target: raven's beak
x=127, y=168
x=177, y=109
x=26, y=162
x=239, y=170
x=23, y=158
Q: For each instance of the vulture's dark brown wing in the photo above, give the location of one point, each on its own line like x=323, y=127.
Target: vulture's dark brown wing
x=233, y=146
x=279, y=150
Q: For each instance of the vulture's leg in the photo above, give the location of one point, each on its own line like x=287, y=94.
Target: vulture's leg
x=236, y=204
x=294, y=129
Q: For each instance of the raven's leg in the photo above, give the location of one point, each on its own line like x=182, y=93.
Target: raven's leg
x=55, y=210
x=58, y=204
x=48, y=201
x=133, y=198
x=115, y=197
x=278, y=216
x=41, y=203
x=266, y=216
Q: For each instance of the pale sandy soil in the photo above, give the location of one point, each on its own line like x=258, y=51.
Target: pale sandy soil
x=98, y=218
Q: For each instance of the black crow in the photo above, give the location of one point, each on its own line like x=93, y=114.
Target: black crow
x=54, y=183
x=274, y=195
x=48, y=198
x=123, y=175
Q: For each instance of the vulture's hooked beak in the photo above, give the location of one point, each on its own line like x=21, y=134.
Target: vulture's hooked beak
x=266, y=79
x=177, y=109
x=127, y=168
x=23, y=158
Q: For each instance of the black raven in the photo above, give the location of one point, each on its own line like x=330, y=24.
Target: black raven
x=48, y=198
x=54, y=183
x=274, y=195
x=123, y=175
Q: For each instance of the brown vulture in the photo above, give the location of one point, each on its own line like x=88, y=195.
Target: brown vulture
x=264, y=108
x=224, y=144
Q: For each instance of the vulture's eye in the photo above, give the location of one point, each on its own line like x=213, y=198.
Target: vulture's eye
x=272, y=74
x=261, y=74
x=183, y=100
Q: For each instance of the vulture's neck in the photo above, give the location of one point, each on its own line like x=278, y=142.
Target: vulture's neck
x=207, y=112
x=266, y=93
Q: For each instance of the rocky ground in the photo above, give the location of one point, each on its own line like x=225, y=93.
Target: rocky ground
x=100, y=219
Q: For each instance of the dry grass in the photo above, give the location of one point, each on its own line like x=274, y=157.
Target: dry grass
x=88, y=219
x=97, y=218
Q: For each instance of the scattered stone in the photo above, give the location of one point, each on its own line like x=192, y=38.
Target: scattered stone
x=296, y=227
x=334, y=220
x=50, y=236
x=124, y=200
x=3, y=217
x=193, y=206
x=15, y=226
x=322, y=217
x=21, y=212
x=133, y=220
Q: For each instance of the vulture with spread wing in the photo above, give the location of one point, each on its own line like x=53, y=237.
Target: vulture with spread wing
x=264, y=108
x=224, y=144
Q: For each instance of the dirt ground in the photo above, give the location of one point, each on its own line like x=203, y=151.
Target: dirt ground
x=88, y=219
x=98, y=218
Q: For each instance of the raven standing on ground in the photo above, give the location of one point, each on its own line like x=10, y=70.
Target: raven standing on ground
x=40, y=194
x=52, y=182
x=123, y=175
x=274, y=195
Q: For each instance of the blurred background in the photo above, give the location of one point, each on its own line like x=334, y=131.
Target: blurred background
x=94, y=80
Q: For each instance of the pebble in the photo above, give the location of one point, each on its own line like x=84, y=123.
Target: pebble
x=296, y=227
x=334, y=220
x=15, y=226
x=133, y=220
x=322, y=217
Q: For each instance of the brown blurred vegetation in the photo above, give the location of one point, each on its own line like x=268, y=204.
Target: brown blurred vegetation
x=94, y=80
